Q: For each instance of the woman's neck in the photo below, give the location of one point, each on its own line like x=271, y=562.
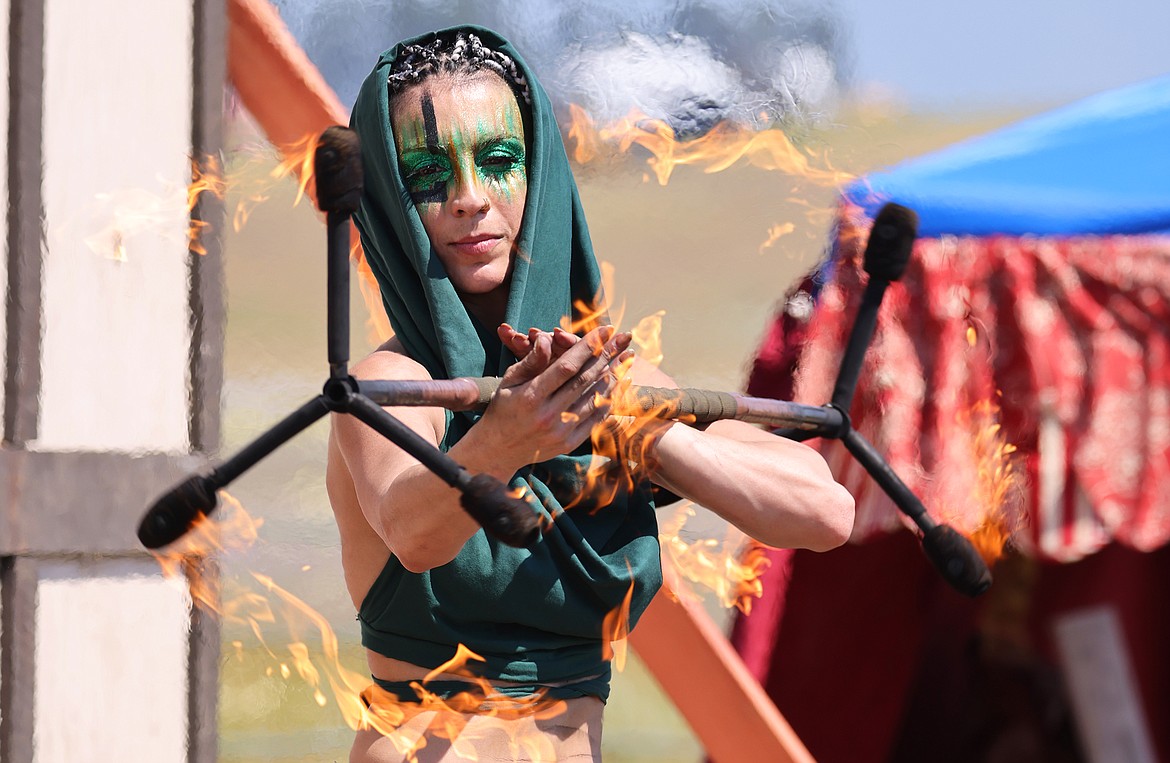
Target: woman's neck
x=489, y=308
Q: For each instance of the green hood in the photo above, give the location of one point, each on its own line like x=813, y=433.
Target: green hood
x=424, y=310
x=536, y=614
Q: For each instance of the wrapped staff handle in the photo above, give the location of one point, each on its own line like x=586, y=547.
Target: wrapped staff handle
x=698, y=405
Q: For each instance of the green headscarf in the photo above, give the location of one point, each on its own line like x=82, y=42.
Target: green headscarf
x=536, y=615
x=424, y=309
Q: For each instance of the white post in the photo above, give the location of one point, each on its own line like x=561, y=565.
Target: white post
x=111, y=386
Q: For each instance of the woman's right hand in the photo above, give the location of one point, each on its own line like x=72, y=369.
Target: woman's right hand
x=549, y=402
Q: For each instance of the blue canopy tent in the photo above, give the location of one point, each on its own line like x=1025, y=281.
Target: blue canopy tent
x=1042, y=273
x=1098, y=166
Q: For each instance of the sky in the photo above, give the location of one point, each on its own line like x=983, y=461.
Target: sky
x=940, y=54
x=930, y=55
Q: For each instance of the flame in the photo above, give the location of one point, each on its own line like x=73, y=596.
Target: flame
x=775, y=233
x=720, y=148
x=230, y=529
x=648, y=338
x=615, y=629
x=114, y=219
x=732, y=569
x=298, y=160
x=377, y=323
x=206, y=177
x=252, y=189
x=312, y=654
x=997, y=490
x=126, y=214
x=597, y=311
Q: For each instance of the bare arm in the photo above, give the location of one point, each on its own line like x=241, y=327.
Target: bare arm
x=544, y=407
x=776, y=490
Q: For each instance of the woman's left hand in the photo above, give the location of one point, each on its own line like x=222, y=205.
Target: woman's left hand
x=633, y=436
x=520, y=344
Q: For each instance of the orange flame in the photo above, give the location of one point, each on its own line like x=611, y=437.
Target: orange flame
x=775, y=233
x=312, y=651
x=206, y=177
x=720, y=148
x=252, y=188
x=998, y=484
x=590, y=315
x=615, y=629
x=377, y=323
x=298, y=163
x=731, y=569
x=994, y=490
x=230, y=528
x=648, y=338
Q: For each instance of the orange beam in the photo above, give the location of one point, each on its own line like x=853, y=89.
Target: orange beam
x=711, y=686
x=278, y=83
x=686, y=652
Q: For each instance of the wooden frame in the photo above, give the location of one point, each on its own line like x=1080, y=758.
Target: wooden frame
x=73, y=504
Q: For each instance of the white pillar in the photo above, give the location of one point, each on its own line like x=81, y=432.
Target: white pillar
x=111, y=663
x=117, y=145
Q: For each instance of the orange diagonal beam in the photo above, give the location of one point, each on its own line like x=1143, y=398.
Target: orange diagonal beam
x=711, y=686
x=694, y=663
x=278, y=83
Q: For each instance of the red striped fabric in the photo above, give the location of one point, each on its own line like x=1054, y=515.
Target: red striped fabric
x=1063, y=344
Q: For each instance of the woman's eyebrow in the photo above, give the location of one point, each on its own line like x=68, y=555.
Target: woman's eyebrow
x=491, y=141
x=413, y=148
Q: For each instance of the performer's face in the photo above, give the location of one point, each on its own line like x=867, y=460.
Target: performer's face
x=461, y=151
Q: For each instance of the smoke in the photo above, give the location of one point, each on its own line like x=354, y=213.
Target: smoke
x=676, y=78
x=690, y=62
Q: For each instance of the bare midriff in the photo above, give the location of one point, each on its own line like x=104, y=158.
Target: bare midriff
x=389, y=669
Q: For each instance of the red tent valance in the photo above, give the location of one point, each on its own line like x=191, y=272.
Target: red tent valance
x=1064, y=341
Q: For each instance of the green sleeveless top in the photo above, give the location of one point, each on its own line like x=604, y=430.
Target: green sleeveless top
x=535, y=615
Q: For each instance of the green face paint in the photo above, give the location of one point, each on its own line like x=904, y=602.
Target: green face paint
x=487, y=150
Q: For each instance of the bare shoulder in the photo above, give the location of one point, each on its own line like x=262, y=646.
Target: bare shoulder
x=362, y=448
x=389, y=361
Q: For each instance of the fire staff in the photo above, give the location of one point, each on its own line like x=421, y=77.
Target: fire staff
x=471, y=221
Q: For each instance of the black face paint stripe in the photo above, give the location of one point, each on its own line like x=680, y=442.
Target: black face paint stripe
x=430, y=126
x=438, y=190
x=436, y=194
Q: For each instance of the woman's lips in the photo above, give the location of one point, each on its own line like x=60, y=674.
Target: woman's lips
x=476, y=245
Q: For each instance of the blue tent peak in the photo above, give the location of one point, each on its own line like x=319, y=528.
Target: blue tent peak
x=1098, y=166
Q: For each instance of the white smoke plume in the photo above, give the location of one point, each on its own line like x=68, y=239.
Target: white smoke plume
x=690, y=62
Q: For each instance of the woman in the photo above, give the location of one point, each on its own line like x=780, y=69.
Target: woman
x=472, y=224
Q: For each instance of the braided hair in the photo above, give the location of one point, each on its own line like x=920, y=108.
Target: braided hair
x=459, y=53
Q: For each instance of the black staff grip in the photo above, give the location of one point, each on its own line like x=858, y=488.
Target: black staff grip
x=891, y=240
x=337, y=169
x=502, y=514
x=957, y=560
x=177, y=511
